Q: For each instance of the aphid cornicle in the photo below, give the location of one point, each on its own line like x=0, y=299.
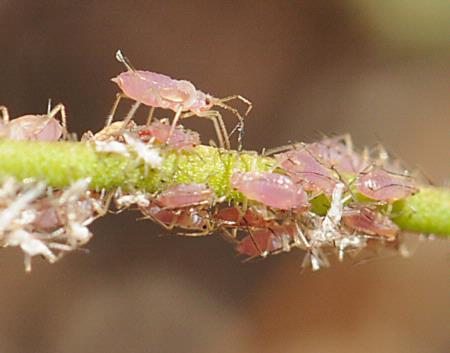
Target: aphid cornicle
x=181, y=96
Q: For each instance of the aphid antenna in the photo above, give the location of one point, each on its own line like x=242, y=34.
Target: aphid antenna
x=61, y=109
x=124, y=60
x=240, y=126
x=274, y=150
x=5, y=114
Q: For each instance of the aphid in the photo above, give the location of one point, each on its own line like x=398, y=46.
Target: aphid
x=304, y=168
x=337, y=153
x=181, y=139
x=181, y=96
x=47, y=218
x=260, y=242
x=191, y=219
x=269, y=240
x=370, y=222
x=35, y=127
x=271, y=189
x=234, y=217
x=185, y=195
x=380, y=185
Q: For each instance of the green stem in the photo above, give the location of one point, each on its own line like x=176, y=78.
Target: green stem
x=60, y=163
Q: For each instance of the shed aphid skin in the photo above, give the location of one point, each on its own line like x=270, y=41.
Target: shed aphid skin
x=150, y=155
x=181, y=96
x=35, y=127
x=45, y=222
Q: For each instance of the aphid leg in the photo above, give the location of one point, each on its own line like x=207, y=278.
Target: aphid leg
x=174, y=123
x=61, y=109
x=240, y=126
x=5, y=114
x=102, y=208
x=243, y=99
x=128, y=117
x=110, y=116
x=150, y=116
x=219, y=126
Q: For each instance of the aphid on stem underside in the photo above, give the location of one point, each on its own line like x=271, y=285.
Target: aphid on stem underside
x=181, y=96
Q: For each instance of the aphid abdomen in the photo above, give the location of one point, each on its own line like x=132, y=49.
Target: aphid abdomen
x=369, y=222
x=305, y=169
x=185, y=195
x=381, y=185
x=34, y=128
x=156, y=90
x=271, y=189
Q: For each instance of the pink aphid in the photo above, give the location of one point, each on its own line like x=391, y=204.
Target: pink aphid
x=47, y=218
x=380, y=185
x=305, y=169
x=187, y=218
x=260, y=242
x=271, y=189
x=337, y=152
x=35, y=127
x=161, y=91
x=272, y=239
x=234, y=217
x=181, y=139
x=370, y=222
x=185, y=195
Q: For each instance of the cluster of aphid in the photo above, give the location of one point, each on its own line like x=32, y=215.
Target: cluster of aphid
x=274, y=212
x=321, y=197
x=46, y=222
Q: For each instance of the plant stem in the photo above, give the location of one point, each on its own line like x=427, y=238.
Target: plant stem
x=61, y=163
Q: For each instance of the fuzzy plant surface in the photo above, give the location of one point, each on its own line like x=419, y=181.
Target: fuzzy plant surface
x=59, y=164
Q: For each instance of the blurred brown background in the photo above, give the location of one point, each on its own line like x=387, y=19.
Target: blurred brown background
x=376, y=69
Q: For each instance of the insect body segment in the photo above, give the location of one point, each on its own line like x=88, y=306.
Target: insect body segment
x=272, y=189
